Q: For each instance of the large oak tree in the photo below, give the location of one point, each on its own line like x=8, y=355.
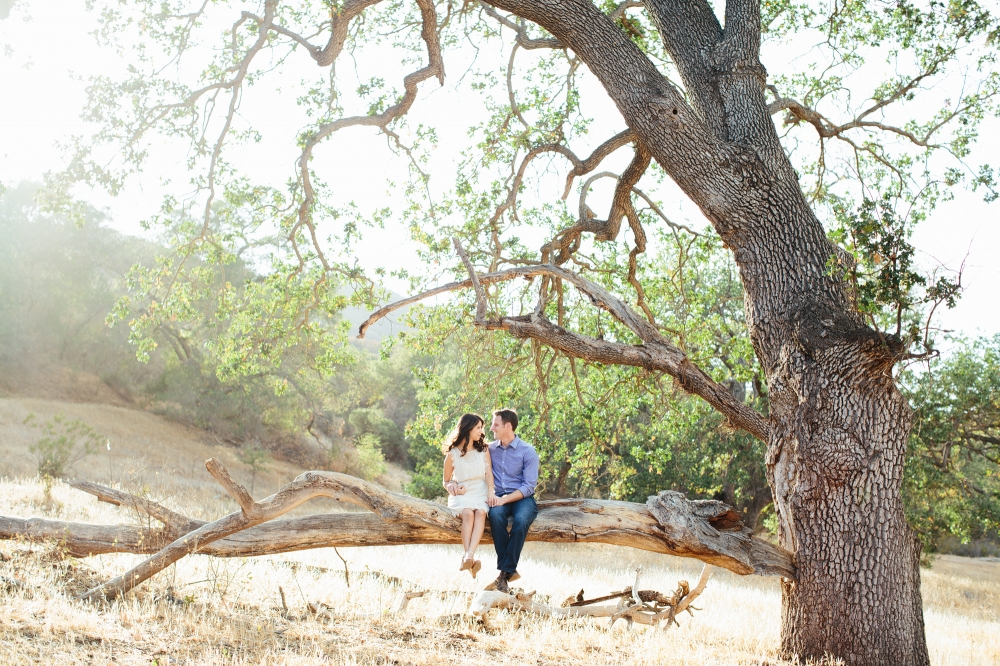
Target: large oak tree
x=868, y=126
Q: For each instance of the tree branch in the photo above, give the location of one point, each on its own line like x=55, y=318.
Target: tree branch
x=580, y=167
x=340, y=22
x=656, y=352
x=521, y=31
x=669, y=523
x=434, y=67
x=170, y=519
x=478, y=288
x=567, y=241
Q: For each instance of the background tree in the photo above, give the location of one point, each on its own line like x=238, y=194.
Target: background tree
x=952, y=480
x=58, y=283
x=869, y=149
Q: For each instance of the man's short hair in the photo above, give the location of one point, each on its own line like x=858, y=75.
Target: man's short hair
x=507, y=416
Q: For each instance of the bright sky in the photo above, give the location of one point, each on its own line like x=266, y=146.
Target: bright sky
x=49, y=56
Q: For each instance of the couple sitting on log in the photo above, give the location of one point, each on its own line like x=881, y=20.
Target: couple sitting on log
x=498, y=479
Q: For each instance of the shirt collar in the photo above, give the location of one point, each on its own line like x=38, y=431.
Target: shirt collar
x=513, y=444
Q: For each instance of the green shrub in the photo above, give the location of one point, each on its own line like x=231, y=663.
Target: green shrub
x=257, y=457
x=62, y=443
x=370, y=463
x=391, y=439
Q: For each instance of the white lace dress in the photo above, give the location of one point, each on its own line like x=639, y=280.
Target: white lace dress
x=470, y=473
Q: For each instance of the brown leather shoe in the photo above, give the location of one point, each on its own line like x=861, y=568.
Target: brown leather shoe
x=501, y=583
x=511, y=577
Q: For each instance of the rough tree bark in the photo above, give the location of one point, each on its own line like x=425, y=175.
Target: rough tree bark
x=838, y=425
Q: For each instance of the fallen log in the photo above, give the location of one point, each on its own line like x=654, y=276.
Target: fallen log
x=643, y=606
x=668, y=523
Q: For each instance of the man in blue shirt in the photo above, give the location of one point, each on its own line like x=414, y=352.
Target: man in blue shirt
x=515, y=475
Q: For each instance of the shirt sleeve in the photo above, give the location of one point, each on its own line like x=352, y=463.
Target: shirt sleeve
x=530, y=473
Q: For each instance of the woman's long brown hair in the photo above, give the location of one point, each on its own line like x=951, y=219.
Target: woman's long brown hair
x=459, y=437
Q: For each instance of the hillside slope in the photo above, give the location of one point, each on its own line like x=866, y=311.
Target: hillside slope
x=149, y=453
x=141, y=444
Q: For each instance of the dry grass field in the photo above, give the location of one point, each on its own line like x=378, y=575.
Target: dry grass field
x=212, y=611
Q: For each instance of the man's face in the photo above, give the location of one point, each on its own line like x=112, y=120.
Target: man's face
x=499, y=428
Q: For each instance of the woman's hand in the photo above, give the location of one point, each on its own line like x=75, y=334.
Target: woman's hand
x=461, y=489
x=452, y=488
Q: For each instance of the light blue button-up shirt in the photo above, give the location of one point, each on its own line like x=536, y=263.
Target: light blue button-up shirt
x=515, y=467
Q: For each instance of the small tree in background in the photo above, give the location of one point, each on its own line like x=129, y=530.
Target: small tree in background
x=370, y=463
x=257, y=457
x=392, y=440
x=62, y=444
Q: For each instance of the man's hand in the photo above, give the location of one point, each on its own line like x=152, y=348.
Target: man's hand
x=493, y=500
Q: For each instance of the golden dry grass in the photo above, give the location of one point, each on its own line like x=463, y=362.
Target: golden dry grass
x=212, y=611
x=230, y=611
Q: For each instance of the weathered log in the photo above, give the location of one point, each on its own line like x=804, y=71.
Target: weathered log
x=633, y=610
x=558, y=522
x=668, y=523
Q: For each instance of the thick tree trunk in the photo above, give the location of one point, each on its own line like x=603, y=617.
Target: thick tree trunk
x=836, y=463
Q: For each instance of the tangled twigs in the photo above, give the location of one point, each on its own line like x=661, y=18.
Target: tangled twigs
x=655, y=353
x=647, y=607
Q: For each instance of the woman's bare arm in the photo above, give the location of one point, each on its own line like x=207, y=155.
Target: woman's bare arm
x=449, y=471
x=490, y=492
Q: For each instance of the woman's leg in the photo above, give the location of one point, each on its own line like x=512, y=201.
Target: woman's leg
x=468, y=520
x=477, y=532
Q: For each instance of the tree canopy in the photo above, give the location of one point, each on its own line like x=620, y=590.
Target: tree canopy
x=878, y=107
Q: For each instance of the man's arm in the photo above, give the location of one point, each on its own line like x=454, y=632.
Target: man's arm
x=527, y=488
x=506, y=499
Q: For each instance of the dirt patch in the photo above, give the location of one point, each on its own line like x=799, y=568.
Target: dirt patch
x=48, y=381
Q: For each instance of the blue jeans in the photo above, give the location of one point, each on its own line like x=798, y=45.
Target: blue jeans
x=509, y=544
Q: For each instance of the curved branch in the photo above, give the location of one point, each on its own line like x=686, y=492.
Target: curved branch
x=435, y=67
x=478, y=288
x=656, y=352
x=523, y=40
x=662, y=357
x=170, y=519
x=583, y=167
x=340, y=21
x=827, y=129
x=514, y=108
x=580, y=167
x=663, y=216
x=567, y=241
x=703, y=529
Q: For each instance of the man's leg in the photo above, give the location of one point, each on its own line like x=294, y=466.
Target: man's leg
x=498, y=527
x=523, y=512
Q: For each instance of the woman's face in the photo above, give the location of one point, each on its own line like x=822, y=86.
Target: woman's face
x=476, y=433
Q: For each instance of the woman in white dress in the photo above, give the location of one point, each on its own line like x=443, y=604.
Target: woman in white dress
x=468, y=478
